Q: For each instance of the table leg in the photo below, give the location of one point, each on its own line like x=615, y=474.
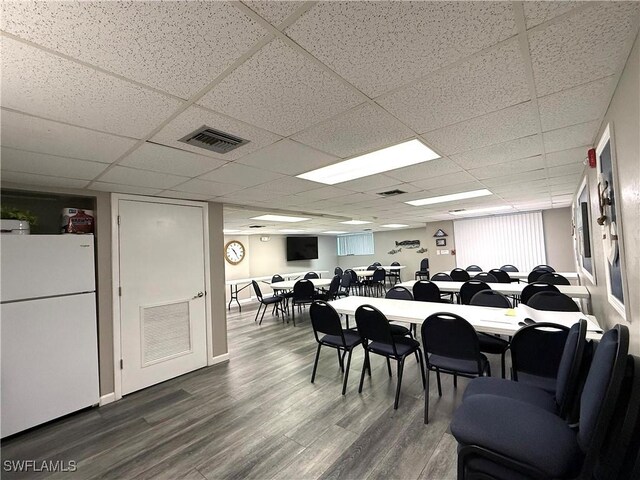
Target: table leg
x=233, y=289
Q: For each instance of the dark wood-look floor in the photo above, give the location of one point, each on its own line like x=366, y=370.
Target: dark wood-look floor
x=258, y=416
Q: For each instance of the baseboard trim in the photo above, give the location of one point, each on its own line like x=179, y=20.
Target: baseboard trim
x=108, y=398
x=219, y=359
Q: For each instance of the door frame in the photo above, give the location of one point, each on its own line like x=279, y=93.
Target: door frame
x=115, y=278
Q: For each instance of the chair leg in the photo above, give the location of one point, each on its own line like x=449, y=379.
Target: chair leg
x=455, y=380
x=389, y=367
x=439, y=384
x=315, y=363
x=422, y=369
x=426, y=399
x=502, y=363
x=340, y=360
x=346, y=373
x=258, y=312
x=264, y=310
x=364, y=367
x=399, y=384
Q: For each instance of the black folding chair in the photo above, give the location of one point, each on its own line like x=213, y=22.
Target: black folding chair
x=265, y=302
x=501, y=275
x=393, y=275
x=553, y=302
x=508, y=268
x=548, y=268
x=474, y=268
x=401, y=293
x=533, y=288
x=426, y=291
x=443, y=277
x=470, y=288
x=311, y=275
x=459, y=275
x=535, y=274
x=424, y=270
x=333, y=292
x=486, y=277
x=303, y=294
x=338, y=271
x=553, y=278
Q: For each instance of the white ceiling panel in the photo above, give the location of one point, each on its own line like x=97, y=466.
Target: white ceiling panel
x=117, y=188
x=203, y=187
x=583, y=47
x=42, y=180
x=483, y=84
x=238, y=174
x=432, y=168
x=40, y=163
x=372, y=182
x=195, y=117
x=280, y=90
x=497, y=127
x=363, y=129
x=574, y=155
x=43, y=84
x=288, y=157
x=563, y=170
x=576, y=105
x=521, y=178
x=536, y=12
x=322, y=193
x=178, y=47
x=500, y=153
x=570, y=137
x=437, y=189
x=509, y=168
x=444, y=181
x=159, y=158
x=380, y=45
x=140, y=178
x=285, y=186
x=274, y=11
x=44, y=136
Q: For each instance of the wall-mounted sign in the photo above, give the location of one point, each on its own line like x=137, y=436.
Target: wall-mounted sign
x=408, y=244
x=441, y=242
x=440, y=233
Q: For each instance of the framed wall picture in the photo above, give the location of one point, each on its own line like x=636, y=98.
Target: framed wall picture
x=441, y=242
x=582, y=233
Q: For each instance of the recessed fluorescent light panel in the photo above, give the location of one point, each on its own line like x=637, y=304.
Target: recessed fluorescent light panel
x=390, y=158
x=394, y=225
x=474, y=211
x=450, y=198
x=355, y=222
x=335, y=232
x=291, y=230
x=279, y=218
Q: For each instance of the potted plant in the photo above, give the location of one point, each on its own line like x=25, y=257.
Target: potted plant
x=16, y=221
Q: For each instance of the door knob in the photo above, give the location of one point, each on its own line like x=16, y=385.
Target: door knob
x=200, y=294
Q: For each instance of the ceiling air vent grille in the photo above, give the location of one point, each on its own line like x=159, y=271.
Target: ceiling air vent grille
x=213, y=140
x=391, y=193
x=256, y=226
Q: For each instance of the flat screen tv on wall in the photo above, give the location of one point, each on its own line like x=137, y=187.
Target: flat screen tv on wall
x=302, y=248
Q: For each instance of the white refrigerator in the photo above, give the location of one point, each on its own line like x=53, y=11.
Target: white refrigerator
x=48, y=328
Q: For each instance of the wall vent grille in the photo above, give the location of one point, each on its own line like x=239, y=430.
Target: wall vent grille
x=213, y=140
x=391, y=193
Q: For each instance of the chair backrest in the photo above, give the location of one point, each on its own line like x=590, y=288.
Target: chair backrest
x=379, y=275
x=426, y=291
x=395, y=270
x=537, y=349
x=548, y=268
x=553, y=302
x=377, y=264
x=424, y=264
x=311, y=275
x=450, y=335
x=373, y=325
x=441, y=277
x=601, y=389
x=352, y=274
x=399, y=293
x=509, y=268
x=459, y=275
x=334, y=285
x=501, y=275
x=303, y=290
x=337, y=271
x=486, y=277
x=324, y=319
x=346, y=280
x=490, y=298
x=372, y=267
x=470, y=288
x=474, y=268
x=256, y=288
x=533, y=288
x=569, y=367
x=535, y=274
x=277, y=278
x=553, y=279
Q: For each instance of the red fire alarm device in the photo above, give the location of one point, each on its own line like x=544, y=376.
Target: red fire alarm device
x=592, y=157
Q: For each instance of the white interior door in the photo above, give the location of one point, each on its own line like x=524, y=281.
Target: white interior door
x=162, y=281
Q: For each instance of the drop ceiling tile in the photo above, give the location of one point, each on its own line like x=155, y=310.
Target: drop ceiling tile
x=570, y=169
x=159, y=158
x=238, y=174
x=381, y=45
x=322, y=193
x=178, y=47
x=44, y=136
x=286, y=186
x=281, y=91
x=41, y=180
x=356, y=198
x=536, y=13
x=576, y=105
x=203, y=187
x=583, y=47
x=117, y=188
x=497, y=127
x=509, y=168
x=370, y=183
x=445, y=181
x=500, y=153
x=570, y=137
x=363, y=129
x=43, y=84
x=288, y=157
x=42, y=164
x=195, y=117
x=483, y=84
x=432, y=168
x=521, y=178
x=140, y=178
x=273, y=11
x=438, y=189
x=574, y=178
x=573, y=155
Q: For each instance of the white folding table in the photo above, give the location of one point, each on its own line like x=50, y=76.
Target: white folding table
x=573, y=291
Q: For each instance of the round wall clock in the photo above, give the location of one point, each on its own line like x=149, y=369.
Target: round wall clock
x=234, y=252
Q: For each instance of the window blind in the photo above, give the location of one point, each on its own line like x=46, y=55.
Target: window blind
x=355, y=244
x=491, y=242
